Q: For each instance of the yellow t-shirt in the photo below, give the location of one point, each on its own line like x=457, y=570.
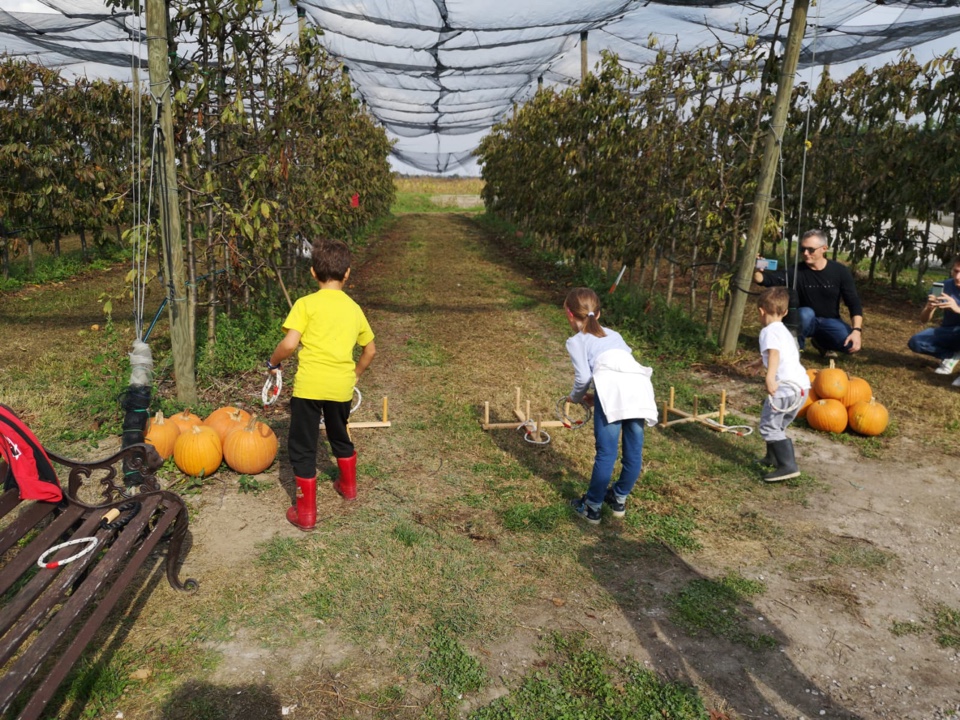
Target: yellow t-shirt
x=330, y=325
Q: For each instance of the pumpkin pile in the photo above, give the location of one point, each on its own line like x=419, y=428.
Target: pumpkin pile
x=837, y=401
x=199, y=446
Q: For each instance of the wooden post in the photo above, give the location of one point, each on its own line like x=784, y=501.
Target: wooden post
x=771, y=153
x=385, y=418
x=486, y=413
x=723, y=405
x=181, y=338
x=695, y=400
x=527, y=416
x=518, y=402
x=583, y=55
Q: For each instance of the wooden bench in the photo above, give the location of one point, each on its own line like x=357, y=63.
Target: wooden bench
x=48, y=615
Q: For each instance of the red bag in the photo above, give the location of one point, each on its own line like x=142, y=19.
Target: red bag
x=30, y=467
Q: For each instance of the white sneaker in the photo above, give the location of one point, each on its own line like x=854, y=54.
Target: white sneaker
x=947, y=365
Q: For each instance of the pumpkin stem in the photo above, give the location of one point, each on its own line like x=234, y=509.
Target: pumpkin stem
x=252, y=425
x=832, y=364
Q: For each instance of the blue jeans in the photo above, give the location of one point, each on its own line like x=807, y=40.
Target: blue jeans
x=830, y=333
x=940, y=342
x=607, y=435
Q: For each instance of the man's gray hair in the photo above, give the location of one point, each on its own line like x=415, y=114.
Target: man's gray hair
x=817, y=233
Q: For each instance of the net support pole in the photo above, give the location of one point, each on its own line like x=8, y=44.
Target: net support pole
x=181, y=337
x=771, y=154
x=583, y=55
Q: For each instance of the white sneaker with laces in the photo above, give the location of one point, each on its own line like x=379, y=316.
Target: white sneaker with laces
x=947, y=365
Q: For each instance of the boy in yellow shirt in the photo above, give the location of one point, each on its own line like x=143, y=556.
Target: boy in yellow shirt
x=326, y=325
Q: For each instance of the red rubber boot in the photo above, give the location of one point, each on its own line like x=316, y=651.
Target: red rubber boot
x=346, y=484
x=304, y=513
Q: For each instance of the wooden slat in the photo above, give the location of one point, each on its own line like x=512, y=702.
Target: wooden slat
x=28, y=555
x=71, y=654
x=26, y=521
x=9, y=500
x=30, y=660
x=21, y=614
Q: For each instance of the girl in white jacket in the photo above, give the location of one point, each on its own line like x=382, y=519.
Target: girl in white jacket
x=622, y=402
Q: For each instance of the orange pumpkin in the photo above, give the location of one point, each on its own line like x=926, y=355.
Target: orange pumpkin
x=858, y=390
x=251, y=448
x=868, y=417
x=198, y=451
x=812, y=374
x=808, y=401
x=828, y=415
x=162, y=434
x=831, y=382
x=225, y=419
x=185, y=420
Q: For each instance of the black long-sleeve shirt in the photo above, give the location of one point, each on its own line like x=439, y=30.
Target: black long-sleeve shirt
x=821, y=290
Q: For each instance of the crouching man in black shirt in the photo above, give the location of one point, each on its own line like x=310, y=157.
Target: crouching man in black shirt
x=821, y=284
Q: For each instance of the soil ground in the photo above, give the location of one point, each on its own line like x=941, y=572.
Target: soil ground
x=440, y=284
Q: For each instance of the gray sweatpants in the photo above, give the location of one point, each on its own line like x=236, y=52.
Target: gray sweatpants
x=773, y=421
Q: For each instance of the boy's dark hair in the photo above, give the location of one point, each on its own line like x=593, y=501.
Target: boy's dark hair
x=774, y=300
x=955, y=262
x=330, y=260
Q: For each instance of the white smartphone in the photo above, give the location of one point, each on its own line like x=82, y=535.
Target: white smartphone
x=937, y=289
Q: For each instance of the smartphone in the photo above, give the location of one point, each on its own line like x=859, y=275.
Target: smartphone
x=937, y=289
x=765, y=264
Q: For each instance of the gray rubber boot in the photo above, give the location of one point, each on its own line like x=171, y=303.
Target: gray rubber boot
x=768, y=460
x=786, y=462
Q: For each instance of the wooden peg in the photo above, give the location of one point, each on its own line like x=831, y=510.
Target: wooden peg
x=486, y=413
x=385, y=419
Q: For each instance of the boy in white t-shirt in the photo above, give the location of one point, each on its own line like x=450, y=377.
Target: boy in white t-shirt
x=786, y=381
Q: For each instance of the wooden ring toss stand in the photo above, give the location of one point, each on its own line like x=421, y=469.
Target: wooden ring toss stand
x=535, y=425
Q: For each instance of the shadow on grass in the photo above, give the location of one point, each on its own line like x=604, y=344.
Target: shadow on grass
x=203, y=701
x=645, y=578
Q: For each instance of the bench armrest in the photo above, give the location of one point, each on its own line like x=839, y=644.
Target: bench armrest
x=140, y=460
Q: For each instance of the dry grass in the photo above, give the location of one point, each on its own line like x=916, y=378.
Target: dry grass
x=431, y=185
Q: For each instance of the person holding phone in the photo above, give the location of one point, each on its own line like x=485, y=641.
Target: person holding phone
x=821, y=284
x=942, y=342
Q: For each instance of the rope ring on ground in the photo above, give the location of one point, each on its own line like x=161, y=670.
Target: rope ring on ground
x=272, y=387
x=569, y=422
x=92, y=543
x=530, y=427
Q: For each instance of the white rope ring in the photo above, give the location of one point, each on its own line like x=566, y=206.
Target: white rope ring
x=272, y=387
x=569, y=422
x=529, y=427
x=796, y=404
x=353, y=408
x=92, y=543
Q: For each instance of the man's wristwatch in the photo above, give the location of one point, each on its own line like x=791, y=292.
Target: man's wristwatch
x=859, y=330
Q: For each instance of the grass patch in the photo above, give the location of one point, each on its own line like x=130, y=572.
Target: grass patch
x=943, y=624
x=423, y=353
x=712, y=607
x=573, y=681
x=525, y=516
x=451, y=669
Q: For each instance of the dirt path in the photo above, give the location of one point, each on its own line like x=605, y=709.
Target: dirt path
x=456, y=338
x=458, y=324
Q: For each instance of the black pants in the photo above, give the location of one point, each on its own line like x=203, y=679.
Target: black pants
x=305, y=431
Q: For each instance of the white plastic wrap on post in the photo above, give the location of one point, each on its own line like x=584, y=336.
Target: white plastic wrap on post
x=141, y=364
